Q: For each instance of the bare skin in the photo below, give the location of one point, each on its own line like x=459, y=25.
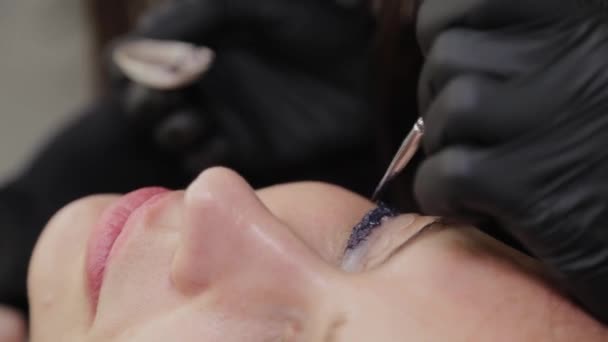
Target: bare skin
x=12, y=325
x=222, y=262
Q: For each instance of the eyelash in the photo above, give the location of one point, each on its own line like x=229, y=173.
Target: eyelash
x=370, y=221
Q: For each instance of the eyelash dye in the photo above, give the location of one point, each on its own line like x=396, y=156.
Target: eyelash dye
x=370, y=221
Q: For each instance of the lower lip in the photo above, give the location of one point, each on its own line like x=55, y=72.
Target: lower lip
x=106, y=231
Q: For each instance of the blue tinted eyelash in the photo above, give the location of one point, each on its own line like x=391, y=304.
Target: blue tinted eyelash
x=370, y=221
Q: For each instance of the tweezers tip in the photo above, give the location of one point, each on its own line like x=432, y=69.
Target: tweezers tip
x=376, y=195
x=379, y=189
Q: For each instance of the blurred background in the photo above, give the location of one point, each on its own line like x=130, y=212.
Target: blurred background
x=45, y=72
x=50, y=61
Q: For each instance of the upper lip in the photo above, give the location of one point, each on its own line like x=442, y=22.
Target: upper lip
x=106, y=231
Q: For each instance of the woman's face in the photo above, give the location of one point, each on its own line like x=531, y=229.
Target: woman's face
x=220, y=262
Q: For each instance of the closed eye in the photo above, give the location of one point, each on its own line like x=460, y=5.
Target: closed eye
x=413, y=238
x=369, y=223
x=391, y=235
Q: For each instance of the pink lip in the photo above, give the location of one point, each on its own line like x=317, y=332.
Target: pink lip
x=106, y=231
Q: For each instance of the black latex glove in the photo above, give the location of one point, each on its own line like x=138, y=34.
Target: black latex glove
x=288, y=85
x=515, y=98
x=284, y=100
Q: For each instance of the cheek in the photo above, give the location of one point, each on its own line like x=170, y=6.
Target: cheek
x=193, y=324
x=435, y=279
x=462, y=283
x=56, y=276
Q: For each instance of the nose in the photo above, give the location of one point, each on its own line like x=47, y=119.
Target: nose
x=231, y=240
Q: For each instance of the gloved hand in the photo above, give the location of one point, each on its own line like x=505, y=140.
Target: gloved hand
x=287, y=86
x=515, y=98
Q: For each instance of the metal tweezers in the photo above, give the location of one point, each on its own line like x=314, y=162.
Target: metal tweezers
x=404, y=155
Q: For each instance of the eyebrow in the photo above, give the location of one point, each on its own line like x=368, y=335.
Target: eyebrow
x=372, y=220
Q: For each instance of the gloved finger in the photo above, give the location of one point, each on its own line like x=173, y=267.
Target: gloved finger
x=463, y=51
x=480, y=109
x=476, y=110
x=162, y=65
x=184, y=20
x=463, y=183
x=444, y=182
x=436, y=16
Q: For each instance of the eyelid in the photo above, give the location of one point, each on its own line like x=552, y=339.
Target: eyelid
x=357, y=242
x=412, y=226
x=411, y=239
x=354, y=257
